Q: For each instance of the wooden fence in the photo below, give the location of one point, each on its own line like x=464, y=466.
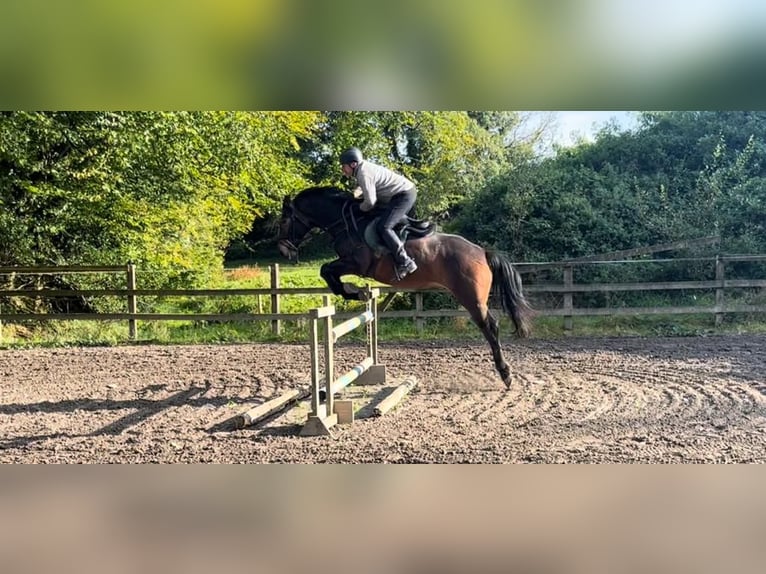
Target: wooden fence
x=564, y=289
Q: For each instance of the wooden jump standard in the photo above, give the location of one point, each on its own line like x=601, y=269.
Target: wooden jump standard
x=325, y=410
x=324, y=415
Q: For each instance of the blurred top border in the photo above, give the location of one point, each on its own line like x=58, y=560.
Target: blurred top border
x=283, y=54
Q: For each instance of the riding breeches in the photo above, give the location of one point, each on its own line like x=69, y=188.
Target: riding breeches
x=394, y=212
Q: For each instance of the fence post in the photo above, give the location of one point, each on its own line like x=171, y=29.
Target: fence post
x=131, y=280
x=9, y=287
x=276, y=324
x=419, y=322
x=719, y=294
x=568, y=274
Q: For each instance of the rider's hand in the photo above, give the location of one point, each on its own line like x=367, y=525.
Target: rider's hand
x=356, y=209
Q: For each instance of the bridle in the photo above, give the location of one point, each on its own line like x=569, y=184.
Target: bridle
x=347, y=221
x=292, y=242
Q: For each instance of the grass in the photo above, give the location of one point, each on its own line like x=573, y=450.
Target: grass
x=92, y=333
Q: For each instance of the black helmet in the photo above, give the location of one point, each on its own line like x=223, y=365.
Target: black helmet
x=351, y=155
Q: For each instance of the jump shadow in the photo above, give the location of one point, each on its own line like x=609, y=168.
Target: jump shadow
x=148, y=410
x=24, y=441
x=92, y=405
x=141, y=409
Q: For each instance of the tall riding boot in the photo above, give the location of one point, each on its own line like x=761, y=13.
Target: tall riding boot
x=403, y=263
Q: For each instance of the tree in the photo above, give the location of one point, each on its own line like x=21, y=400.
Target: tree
x=448, y=154
x=680, y=175
x=167, y=190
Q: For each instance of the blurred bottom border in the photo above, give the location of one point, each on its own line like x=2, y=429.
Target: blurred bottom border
x=277, y=518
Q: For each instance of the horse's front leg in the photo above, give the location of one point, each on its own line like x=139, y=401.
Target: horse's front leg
x=332, y=272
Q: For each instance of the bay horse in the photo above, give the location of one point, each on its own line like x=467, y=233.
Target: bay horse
x=444, y=260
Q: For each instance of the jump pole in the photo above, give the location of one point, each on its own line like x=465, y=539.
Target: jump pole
x=395, y=397
x=262, y=411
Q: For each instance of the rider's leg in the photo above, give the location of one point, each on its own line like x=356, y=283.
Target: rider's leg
x=395, y=211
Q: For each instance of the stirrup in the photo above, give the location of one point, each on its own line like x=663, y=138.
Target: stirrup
x=405, y=269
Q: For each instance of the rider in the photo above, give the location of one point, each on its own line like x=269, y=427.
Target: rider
x=392, y=192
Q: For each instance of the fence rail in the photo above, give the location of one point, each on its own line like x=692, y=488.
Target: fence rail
x=565, y=288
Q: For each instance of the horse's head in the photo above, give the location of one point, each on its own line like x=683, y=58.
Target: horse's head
x=318, y=207
x=294, y=226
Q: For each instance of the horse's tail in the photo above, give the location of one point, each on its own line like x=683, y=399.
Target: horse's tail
x=506, y=282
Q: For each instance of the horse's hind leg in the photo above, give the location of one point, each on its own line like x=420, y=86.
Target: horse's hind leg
x=489, y=327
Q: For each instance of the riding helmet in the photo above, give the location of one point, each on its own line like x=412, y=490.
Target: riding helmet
x=351, y=155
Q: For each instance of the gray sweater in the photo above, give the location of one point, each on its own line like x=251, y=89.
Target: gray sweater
x=379, y=184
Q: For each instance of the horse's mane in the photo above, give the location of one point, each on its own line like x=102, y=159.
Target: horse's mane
x=324, y=191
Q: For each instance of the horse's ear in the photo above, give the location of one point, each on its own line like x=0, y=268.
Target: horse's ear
x=286, y=202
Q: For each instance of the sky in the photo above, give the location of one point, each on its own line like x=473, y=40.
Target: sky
x=567, y=128
x=571, y=125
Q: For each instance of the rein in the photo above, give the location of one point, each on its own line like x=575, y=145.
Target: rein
x=347, y=215
x=347, y=221
x=291, y=242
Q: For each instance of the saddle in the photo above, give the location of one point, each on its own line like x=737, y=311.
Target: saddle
x=409, y=228
x=364, y=226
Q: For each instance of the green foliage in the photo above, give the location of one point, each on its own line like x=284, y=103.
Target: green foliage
x=165, y=190
x=681, y=175
x=171, y=191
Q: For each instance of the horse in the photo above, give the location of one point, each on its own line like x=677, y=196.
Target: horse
x=445, y=261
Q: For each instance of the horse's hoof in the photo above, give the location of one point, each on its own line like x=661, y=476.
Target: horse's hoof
x=507, y=380
x=352, y=292
x=505, y=374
